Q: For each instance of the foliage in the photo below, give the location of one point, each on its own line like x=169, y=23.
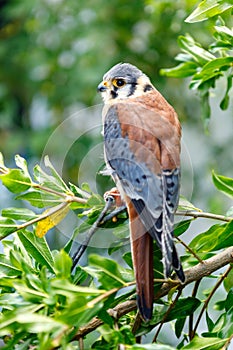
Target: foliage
x=45, y=302
x=206, y=66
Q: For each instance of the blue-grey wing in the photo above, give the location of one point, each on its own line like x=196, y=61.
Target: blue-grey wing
x=134, y=177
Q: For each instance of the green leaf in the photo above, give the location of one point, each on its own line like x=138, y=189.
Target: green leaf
x=212, y=69
x=229, y=300
x=230, y=211
x=185, y=205
x=200, y=55
x=86, y=188
x=207, y=9
x=62, y=264
x=16, y=181
x=6, y=268
x=205, y=107
x=223, y=184
x=218, y=236
x=227, y=328
x=150, y=347
x=21, y=214
x=183, y=308
x=76, y=190
x=179, y=325
x=181, y=227
x=128, y=259
x=49, y=181
x=183, y=70
x=209, y=322
x=228, y=282
x=96, y=200
x=109, y=273
x=7, y=226
x=37, y=248
x=41, y=199
x=56, y=176
x=80, y=276
x=224, y=34
x=66, y=288
x=205, y=344
x=30, y=322
x=80, y=312
x=22, y=164
x=225, y=101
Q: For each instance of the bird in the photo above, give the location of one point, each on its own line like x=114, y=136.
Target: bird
x=142, y=135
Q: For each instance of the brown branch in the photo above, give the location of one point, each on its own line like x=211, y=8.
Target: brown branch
x=210, y=296
x=193, y=274
x=201, y=214
x=194, y=293
x=192, y=213
x=189, y=249
x=225, y=347
x=167, y=314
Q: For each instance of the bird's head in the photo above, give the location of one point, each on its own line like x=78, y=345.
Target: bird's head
x=123, y=81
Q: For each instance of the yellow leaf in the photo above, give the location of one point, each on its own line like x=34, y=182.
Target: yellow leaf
x=50, y=218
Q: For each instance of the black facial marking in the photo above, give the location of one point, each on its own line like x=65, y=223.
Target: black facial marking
x=114, y=94
x=132, y=89
x=148, y=87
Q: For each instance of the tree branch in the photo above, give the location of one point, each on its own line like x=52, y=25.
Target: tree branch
x=202, y=214
x=193, y=274
x=172, y=305
x=210, y=296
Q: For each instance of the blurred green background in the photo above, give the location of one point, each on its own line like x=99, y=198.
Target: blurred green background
x=53, y=54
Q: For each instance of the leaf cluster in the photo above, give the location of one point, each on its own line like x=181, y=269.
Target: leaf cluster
x=206, y=65
x=47, y=304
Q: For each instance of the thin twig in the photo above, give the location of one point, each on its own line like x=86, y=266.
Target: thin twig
x=38, y=218
x=225, y=347
x=166, y=314
x=113, y=214
x=194, y=293
x=81, y=344
x=194, y=214
x=197, y=214
x=136, y=325
x=189, y=249
x=76, y=257
x=209, y=297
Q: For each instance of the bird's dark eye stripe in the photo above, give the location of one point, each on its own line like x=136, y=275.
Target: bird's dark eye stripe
x=132, y=89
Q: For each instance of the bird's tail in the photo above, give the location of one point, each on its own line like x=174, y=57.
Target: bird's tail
x=165, y=239
x=171, y=261
x=142, y=254
x=162, y=231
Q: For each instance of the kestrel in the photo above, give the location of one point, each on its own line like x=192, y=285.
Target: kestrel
x=142, y=153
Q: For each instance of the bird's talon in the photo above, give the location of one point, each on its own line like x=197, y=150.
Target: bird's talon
x=115, y=194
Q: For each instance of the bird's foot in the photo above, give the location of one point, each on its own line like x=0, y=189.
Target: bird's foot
x=116, y=195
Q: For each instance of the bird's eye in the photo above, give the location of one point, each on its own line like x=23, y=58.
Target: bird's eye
x=119, y=82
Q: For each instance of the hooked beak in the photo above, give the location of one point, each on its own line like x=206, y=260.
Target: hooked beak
x=102, y=87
